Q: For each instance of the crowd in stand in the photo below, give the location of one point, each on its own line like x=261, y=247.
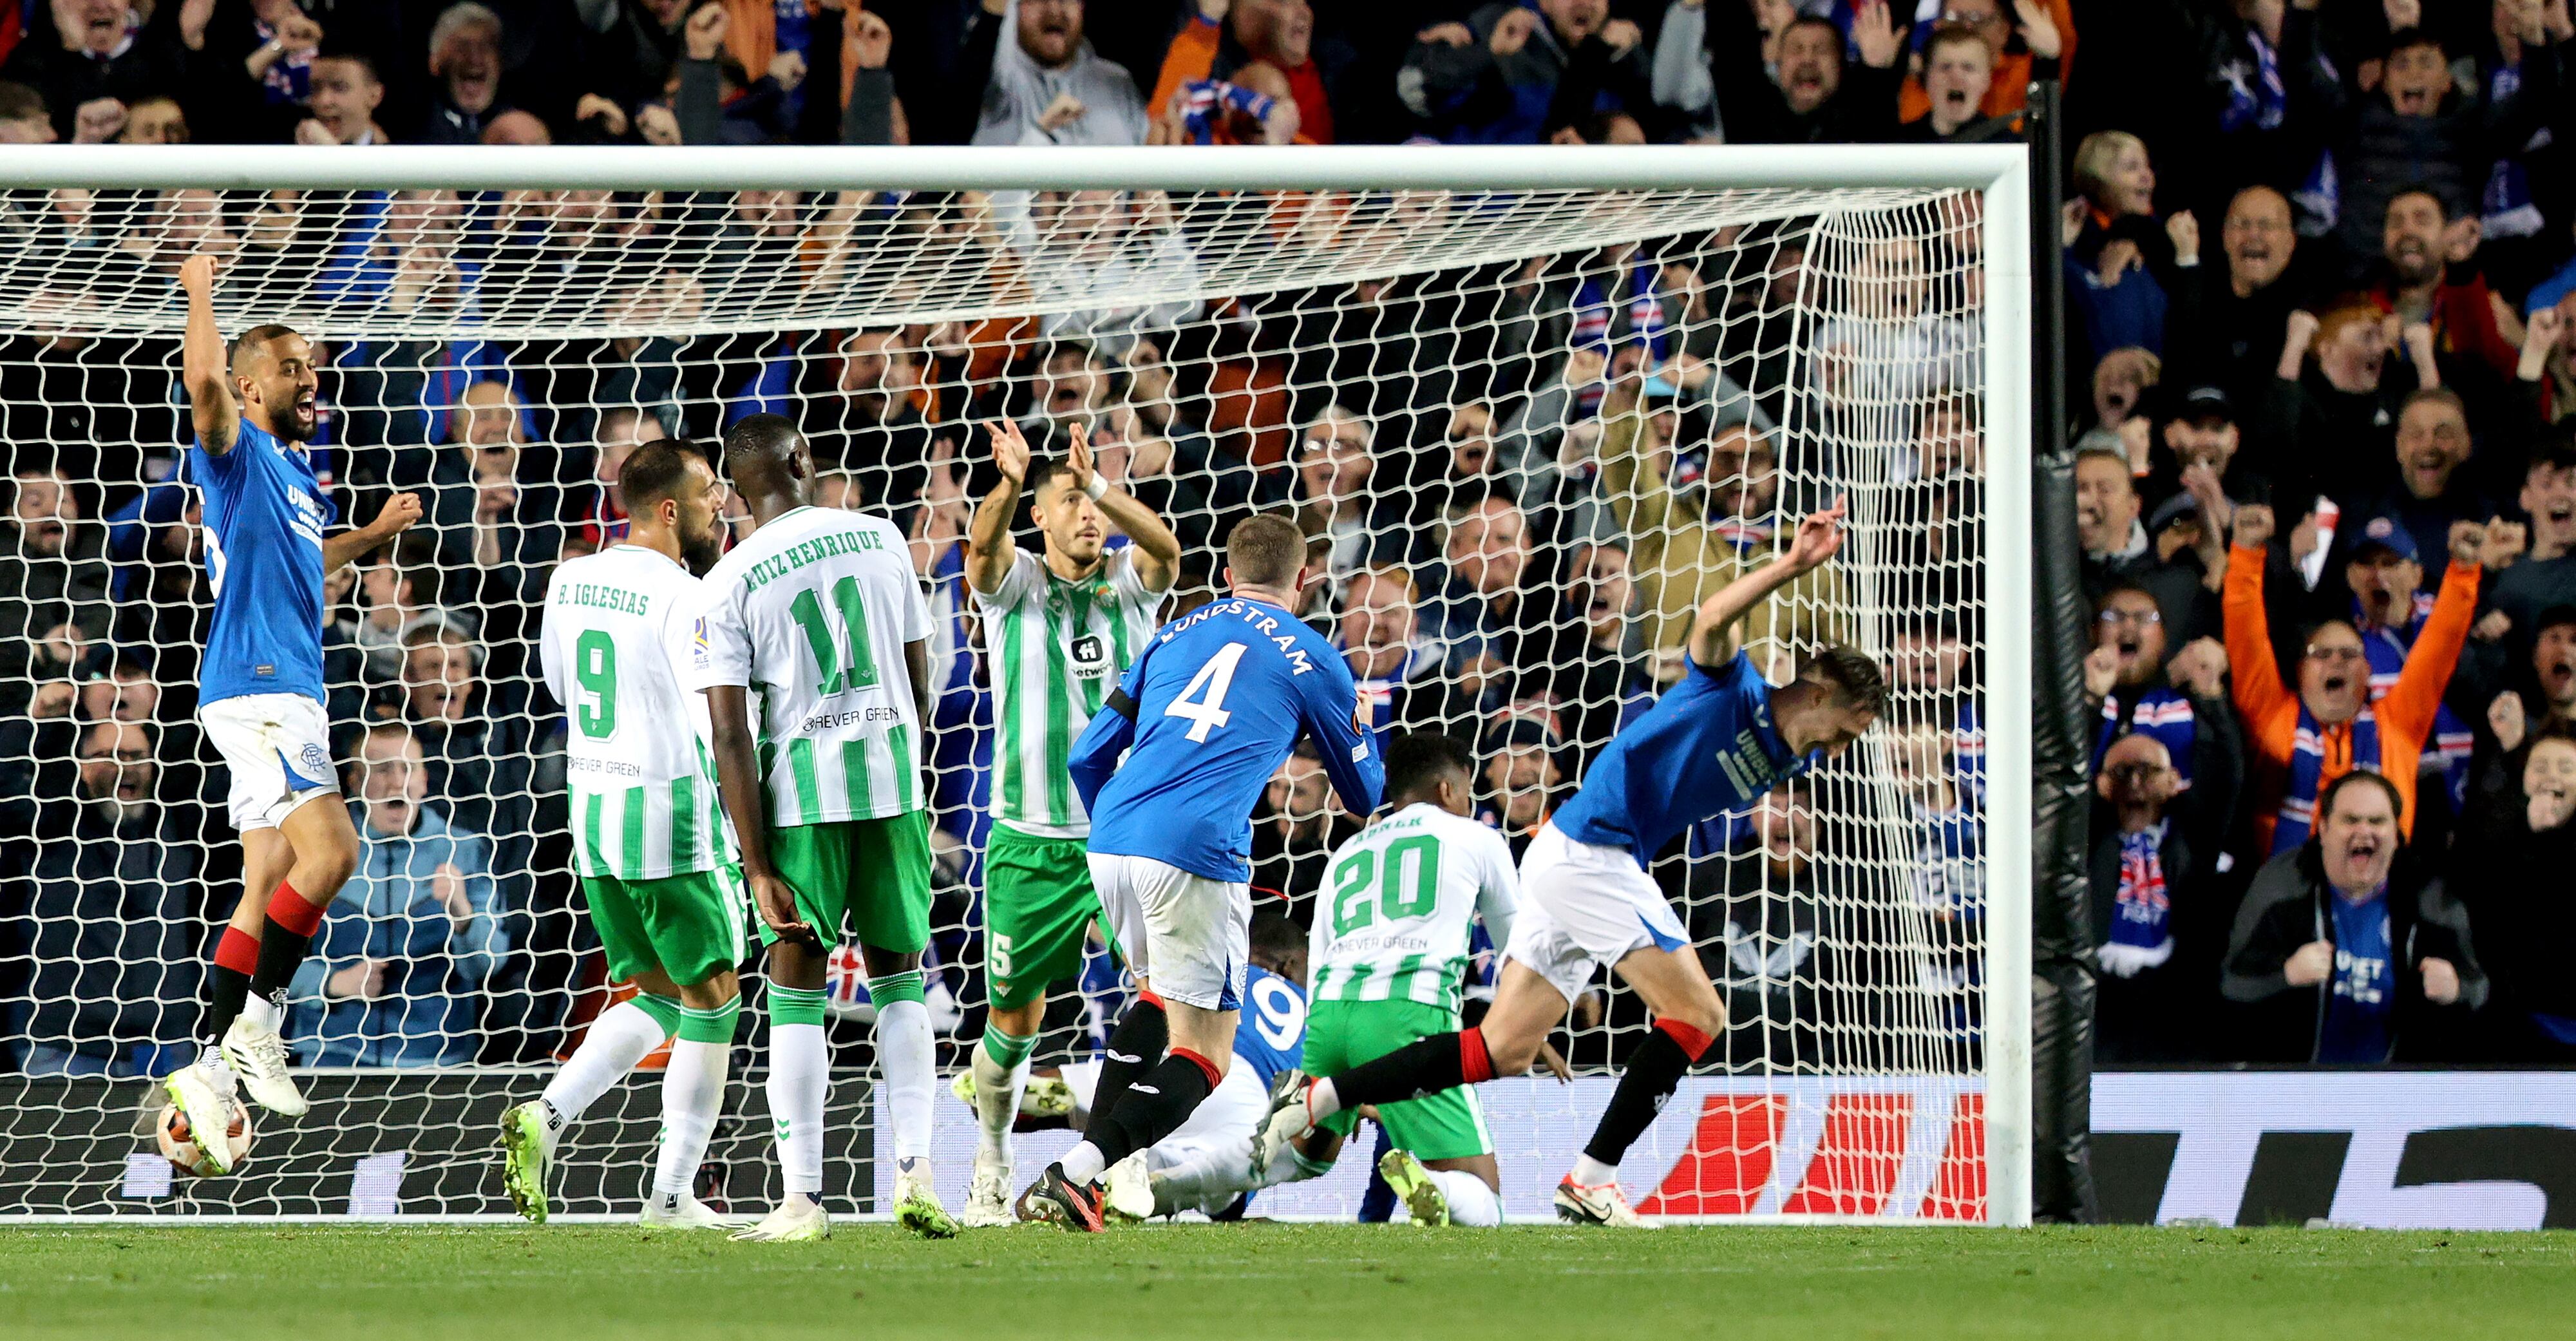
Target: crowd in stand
x=2326, y=496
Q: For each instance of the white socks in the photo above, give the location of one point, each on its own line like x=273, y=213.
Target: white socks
x=997, y=1104
x=261, y=1011
x=1083, y=1163
x=693, y=1089
x=617, y=1040
x=1471, y=1203
x=1590, y=1172
x=799, y=1076
x=911, y=1070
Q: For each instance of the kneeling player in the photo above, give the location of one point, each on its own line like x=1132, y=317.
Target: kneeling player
x=1716, y=742
x=1390, y=950
x=655, y=863
x=1206, y=1164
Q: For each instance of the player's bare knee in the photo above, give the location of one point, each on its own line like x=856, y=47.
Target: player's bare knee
x=1707, y=1015
x=320, y=873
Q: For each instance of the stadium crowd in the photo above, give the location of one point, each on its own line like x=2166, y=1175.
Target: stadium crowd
x=2326, y=486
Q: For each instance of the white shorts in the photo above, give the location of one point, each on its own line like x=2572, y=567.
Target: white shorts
x=277, y=748
x=1191, y=935
x=1584, y=905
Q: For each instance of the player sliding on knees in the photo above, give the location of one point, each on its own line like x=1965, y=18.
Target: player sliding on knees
x=1211, y=708
x=259, y=694
x=1059, y=628
x=819, y=610
x=1715, y=742
x=655, y=863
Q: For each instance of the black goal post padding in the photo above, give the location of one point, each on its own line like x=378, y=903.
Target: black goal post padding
x=2061, y=1033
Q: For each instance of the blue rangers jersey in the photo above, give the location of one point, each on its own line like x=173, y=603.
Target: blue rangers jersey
x=1208, y=711
x=1707, y=746
x=264, y=519
x=1271, y=1036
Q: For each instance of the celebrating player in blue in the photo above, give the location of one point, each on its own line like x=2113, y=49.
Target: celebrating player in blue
x=1208, y=711
x=260, y=688
x=1714, y=743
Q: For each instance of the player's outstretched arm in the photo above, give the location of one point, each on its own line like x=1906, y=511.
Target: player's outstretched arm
x=989, y=550
x=738, y=785
x=1713, y=641
x=202, y=366
x=394, y=518
x=1158, y=551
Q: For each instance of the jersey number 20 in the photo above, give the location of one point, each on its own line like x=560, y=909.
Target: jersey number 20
x=1216, y=677
x=1396, y=897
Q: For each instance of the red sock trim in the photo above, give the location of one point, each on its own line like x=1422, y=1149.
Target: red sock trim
x=1206, y=1068
x=1145, y=997
x=1475, y=1060
x=1694, y=1043
x=289, y=909
x=238, y=951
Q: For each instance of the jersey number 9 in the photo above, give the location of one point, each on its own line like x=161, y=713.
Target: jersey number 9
x=594, y=664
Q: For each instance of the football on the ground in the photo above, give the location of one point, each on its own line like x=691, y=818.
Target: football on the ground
x=181, y=1146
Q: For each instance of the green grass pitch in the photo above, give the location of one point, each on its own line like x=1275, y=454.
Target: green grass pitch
x=367, y=1283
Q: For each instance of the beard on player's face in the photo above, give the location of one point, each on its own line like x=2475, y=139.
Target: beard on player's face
x=701, y=548
x=293, y=413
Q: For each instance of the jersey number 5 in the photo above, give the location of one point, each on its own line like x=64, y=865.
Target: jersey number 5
x=1397, y=898
x=1216, y=677
x=861, y=670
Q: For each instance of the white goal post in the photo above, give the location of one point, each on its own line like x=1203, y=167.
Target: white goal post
x=1609, y=335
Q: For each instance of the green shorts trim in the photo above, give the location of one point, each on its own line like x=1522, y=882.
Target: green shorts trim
x=870, y=876
x=1343, y=1034
x=1038, y=908
x=688, y=926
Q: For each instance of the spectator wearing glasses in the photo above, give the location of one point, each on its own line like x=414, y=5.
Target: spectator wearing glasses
x=2348, y=949
x=2302, y=739
x=1355, y=523
x=2179, y=702
x=2223, y=322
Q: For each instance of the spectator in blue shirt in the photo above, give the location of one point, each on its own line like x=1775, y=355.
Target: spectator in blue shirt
x=2344, y=947
x=407, y=947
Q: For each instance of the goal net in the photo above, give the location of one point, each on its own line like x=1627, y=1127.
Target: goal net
x=1529, y=412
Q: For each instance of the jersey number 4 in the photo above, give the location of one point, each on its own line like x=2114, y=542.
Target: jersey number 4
x=1358, y=878
x=860, y=672
x=1216, y=677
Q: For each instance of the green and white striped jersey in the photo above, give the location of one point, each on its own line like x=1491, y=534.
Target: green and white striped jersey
x=811, y=614
x=1399, y=907
x=1056, y=649
x=643, y=787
